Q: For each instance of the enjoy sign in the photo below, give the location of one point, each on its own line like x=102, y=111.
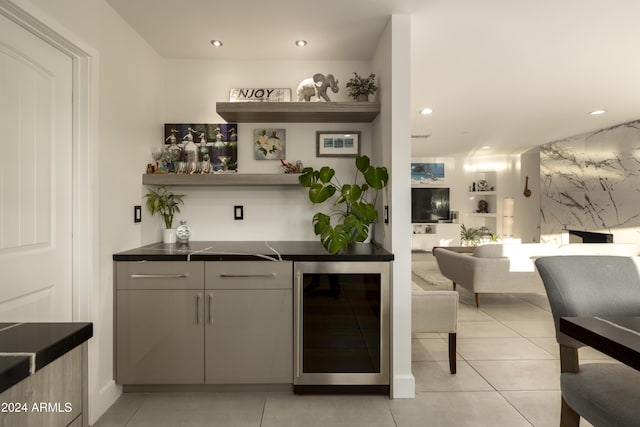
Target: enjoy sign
x=260, y=95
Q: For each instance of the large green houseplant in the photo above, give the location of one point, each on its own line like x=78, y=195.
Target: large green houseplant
x=353, y=205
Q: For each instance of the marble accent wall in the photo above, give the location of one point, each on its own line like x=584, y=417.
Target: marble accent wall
x=592, y=182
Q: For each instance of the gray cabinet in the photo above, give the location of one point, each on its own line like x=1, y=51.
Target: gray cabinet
x=249, y=331
x=223, y=322
x=160, y=323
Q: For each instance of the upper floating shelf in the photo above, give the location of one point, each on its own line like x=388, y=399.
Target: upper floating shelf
x=298, y=112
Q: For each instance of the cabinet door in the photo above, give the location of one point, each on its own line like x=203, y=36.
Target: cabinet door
x=159, y=337
x=249, y=336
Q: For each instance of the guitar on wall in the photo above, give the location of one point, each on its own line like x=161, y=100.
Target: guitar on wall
x=526, y=192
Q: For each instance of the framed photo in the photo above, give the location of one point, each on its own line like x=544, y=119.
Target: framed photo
x=427, y=173
x=337, y=143
x=269, y=144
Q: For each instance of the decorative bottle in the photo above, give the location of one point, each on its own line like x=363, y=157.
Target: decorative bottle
x=191, y=151
x=183, y=232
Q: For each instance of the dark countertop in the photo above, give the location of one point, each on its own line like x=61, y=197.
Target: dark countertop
x=252, y=250
x=35, y=345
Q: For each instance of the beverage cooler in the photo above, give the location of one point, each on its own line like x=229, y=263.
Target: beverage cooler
x=341, y=327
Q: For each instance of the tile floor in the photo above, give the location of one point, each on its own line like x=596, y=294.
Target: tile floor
x=508, y=375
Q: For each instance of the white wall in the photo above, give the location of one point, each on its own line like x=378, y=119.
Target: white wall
x=128, y=115
x=392, y=135
x=590, y=182
x=191, y=89
x=528, y=208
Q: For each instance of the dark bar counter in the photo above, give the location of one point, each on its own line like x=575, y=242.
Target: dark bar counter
x=252, y=250
x=28, y=347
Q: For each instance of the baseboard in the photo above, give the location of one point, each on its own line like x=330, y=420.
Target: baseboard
x=403, y=387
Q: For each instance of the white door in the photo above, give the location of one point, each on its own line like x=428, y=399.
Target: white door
x=35, y=178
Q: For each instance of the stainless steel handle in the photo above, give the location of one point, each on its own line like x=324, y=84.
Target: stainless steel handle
x=210, y=296
x=297, y=303
x=224, y=275
x=160, y=276
x=197, y=309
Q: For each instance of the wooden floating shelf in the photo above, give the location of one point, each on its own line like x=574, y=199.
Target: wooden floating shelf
x=486, y=215
x=298, y=112
x=482, y=193
x=230, y=179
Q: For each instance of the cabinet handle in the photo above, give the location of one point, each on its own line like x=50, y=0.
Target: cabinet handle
x=210, y=297
x=197, y=309
x=298, y=338
x=160, y=276
x=226, y=276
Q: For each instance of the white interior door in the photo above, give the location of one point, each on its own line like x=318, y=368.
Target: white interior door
x=35, y=178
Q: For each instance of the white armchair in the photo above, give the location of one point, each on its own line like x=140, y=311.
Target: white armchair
x=437, y=312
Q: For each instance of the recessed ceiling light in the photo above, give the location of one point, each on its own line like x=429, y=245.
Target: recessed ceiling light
x=597, y=112
x=216, y=43
x=426, y=111
x=301, y=43
x=486, y=147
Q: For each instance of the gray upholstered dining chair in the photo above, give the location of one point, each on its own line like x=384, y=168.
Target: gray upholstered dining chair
x=605, y=394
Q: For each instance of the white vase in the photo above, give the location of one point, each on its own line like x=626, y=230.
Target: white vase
x=169, y=235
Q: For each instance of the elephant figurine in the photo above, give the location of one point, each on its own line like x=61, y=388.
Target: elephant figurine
x=317, y=86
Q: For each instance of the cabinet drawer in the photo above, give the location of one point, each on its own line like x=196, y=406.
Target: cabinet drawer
x=249, y=275
x=160, y=275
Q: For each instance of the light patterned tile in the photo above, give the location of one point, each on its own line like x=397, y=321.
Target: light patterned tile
x=284, y=410
x=533, y=329
x=199, y=409
x=435, y=376
x=520, y=375
x=485, y=329
x=500, y=349
x=460, y=409
x=429, y=349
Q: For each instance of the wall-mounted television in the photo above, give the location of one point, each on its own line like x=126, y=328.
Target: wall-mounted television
x=429, y=204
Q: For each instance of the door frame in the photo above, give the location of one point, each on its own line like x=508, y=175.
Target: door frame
x=84, y=144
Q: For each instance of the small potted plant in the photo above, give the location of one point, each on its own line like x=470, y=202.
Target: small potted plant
x=469, y=236
x=166, y=204
x=361, y=87
x=354, y=207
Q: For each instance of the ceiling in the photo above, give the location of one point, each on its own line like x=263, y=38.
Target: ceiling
x=503, y=74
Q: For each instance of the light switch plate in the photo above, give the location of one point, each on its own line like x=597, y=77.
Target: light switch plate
x=137, y=213
x=238, y=212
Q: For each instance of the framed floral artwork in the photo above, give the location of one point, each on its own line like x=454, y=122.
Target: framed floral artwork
x=337, y=143
x=269, y=144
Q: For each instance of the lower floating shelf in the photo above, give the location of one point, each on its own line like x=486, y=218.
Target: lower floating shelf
x=222, y=179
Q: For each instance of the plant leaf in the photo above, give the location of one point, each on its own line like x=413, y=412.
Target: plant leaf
x=362, y=163
x=351, y=193
x=326, y=173
x=365, y=212
x=335, y=239
x=318, y=193
x=320, y=223
x=308, y=177
x=358, y=230
x=376, y=177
